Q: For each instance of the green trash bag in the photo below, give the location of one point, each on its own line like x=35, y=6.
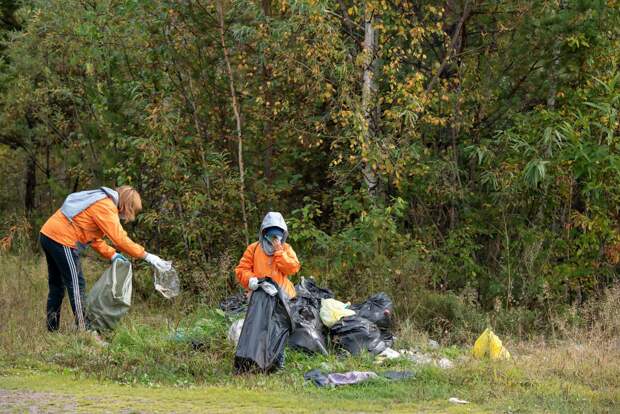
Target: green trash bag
x=110, y=297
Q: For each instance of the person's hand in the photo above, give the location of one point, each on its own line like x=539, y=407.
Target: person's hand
x=158, y=263
x=277, y=244
x=118, y=256
x=253, y=283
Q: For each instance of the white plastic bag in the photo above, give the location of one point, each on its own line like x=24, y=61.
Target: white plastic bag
x=167, y=282
x=234, y=332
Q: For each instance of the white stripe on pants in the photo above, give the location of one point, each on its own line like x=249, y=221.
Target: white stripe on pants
x=77, y=297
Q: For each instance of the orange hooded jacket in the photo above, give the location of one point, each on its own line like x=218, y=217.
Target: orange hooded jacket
x=255, y=263
x=89, y=227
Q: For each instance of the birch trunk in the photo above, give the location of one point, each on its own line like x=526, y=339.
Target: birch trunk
x=236, y=110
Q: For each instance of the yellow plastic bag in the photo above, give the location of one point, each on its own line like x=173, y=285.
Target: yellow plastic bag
x=489, y=345
x=333, y=310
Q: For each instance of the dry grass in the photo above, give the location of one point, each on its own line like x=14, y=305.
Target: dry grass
x=579, y=373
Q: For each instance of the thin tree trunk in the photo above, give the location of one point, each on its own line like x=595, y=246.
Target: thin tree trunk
x=555, y=67
x=235, y=104
x=268, y=123
x=452, y=48
x=31, y=185
x=369, y=108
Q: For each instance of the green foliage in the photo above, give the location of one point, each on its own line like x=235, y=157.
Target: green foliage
x=494, y=137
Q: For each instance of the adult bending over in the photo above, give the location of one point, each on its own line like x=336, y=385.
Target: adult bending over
x=84, y=218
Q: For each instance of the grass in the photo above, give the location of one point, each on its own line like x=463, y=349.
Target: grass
x=146, y=368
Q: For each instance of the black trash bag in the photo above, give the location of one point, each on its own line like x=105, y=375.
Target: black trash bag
x=234, y=305
x=265, y=331
x=308, y=332
x=357, y=334
x=377, y=309
x=398, y=375
x=317, y=377
x=308, y=287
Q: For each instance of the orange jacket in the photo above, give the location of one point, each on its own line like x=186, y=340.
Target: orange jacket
x=255, y=263
x=89, y=227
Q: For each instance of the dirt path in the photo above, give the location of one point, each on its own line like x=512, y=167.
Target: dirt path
x=36, y=402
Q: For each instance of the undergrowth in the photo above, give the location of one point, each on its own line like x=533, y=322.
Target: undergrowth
x=183, y=343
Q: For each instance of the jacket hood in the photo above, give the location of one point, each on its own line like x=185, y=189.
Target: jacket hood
x=273, y=219
x=77, y=202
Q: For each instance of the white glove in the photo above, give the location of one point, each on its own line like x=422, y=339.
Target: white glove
x=253, y=283
x=158, y=263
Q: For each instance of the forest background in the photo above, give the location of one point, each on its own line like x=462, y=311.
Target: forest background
x=461, y=155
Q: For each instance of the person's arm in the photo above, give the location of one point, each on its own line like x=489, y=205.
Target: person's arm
x=286, y=260
x=245, y=270
x=105, y=215
x=103, y=248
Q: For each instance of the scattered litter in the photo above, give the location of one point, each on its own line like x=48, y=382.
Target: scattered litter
x=337, y=379
x=110, y=297
x=445, y=363
x=197, y=334
x=455, y=400
x=333, y=310
x=389, y=353
x=308, y=329
x=326, y=366
x=356, y=334
x=421, y=358
x=398, y=375
x=489, y=345
x=234, y=305
x=417, y=357
x=167, y=282
x=265, y=332
x=432, y=344
x=317, y=377
x=234, y=332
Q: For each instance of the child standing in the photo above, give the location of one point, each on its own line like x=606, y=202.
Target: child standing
x=270, y=257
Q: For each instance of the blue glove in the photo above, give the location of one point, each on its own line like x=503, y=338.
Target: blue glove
x=118, y=256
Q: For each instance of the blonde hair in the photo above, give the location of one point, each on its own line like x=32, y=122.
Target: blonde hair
x=129, y=202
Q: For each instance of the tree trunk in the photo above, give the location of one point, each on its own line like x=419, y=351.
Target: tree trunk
x=31, y=185
x=369, y=105
x=235, y=105
x=555, y=68
x=268, y=123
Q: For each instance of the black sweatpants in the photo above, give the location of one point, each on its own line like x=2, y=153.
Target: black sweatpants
x=64, y=271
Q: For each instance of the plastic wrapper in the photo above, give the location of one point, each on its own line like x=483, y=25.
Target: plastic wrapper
x=167, y=283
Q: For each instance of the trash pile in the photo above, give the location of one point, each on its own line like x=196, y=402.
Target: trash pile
x=363, y=327
x=315, y=318
x=305, y=322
